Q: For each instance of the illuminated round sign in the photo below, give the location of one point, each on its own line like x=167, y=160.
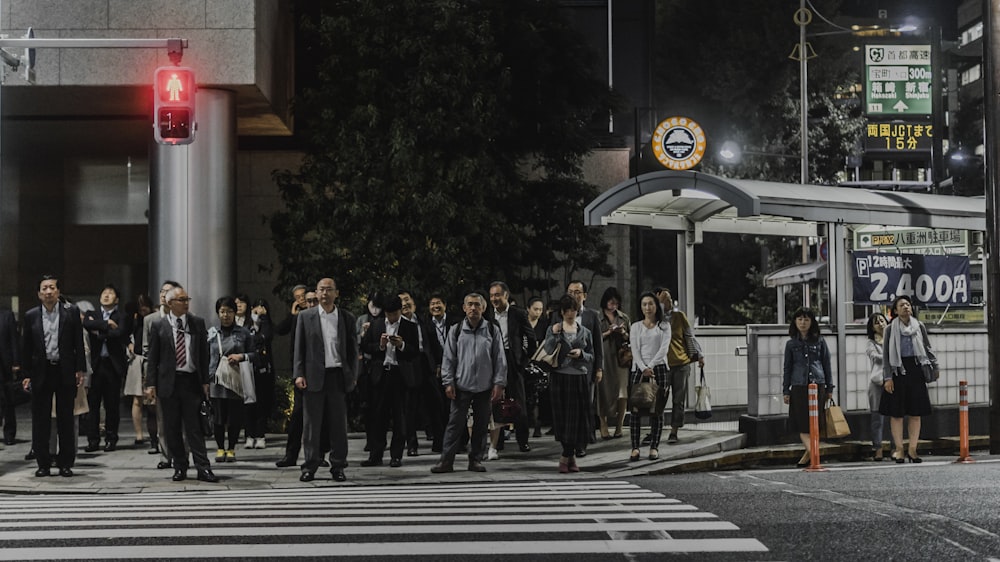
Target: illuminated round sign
x=679, y=143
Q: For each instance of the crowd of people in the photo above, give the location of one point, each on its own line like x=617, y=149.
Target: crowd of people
x=407, y=371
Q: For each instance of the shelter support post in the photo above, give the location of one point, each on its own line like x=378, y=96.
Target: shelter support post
x=837, y=269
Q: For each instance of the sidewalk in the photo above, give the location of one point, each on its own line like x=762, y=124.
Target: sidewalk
x=131, y=469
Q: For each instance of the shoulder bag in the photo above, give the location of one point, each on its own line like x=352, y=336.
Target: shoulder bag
x=703, y=407
x=643, y=395
x=551, y=359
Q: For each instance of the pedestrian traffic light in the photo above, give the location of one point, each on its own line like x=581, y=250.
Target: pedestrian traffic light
x=173, y=105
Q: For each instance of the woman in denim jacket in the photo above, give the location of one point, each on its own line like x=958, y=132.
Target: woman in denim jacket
x=807, y=361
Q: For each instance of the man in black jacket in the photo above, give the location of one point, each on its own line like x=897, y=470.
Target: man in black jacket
x=10, y=367
x=518, y=338
x=108, y=330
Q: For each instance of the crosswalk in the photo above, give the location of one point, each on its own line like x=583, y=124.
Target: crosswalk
x=587, y=517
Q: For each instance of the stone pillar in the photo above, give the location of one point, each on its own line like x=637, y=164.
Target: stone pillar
x=192, y=206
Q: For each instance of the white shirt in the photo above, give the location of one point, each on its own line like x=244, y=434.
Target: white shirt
x=329, y=322
x=189, y=364
x=50, y=332
x=391, y=329
x=501, y=318
x=441, y=327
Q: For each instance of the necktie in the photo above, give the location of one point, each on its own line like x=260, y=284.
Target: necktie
x=181, y=350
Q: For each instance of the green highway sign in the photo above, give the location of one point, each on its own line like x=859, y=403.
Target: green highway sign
x=898, y=80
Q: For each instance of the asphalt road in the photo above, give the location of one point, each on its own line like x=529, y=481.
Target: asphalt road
x=936, y=510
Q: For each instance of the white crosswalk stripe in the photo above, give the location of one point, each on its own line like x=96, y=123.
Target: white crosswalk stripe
x=530, y=518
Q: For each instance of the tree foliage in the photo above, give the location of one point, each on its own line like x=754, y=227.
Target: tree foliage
x=443, y=146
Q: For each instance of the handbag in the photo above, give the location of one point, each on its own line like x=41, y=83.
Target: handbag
x=18, y=395
x=836, y=423
x=227, y=375
x=643, y=395
x=625, y=355
x=703, y=406
x=507, y=410
x=931, y=372
x=547, y=358
x=206, y=418
x=249, y=387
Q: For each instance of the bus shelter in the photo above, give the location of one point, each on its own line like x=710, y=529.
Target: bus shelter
x=692, y=203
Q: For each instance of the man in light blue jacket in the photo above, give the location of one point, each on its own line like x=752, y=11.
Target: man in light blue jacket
x=473, y=371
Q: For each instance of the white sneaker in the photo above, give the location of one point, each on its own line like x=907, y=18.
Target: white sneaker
x=492, y=455
x=250, y=443
x=260, y=444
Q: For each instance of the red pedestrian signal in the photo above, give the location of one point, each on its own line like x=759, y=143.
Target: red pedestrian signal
x=173, y=105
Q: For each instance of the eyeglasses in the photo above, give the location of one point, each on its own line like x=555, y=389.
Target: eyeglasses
x=182, y=299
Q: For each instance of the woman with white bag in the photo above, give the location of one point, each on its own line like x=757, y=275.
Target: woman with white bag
x=228, y=346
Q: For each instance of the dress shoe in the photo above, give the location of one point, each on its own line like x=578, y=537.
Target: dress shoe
x=154, y=447
x=111, y=446
x=412, y=452
x=571, y=464
x=672, y=438
x=537, y=432
x=66, y=472
x=139, y=442
x=206, y=475
x=164, y=464
x=307, y=476
x=91, y=447
x=371, y=461
x=913, y=458
x=285, y=461
x=524, y=447
x=30, y=456
x=338, y=475
x=581, y=452
x=10, y=441
x=44, y=471
x=179, y=475
x=441, y=468
x=324, y=463
x=436, y=448
x=396, y=463
x=476, y=466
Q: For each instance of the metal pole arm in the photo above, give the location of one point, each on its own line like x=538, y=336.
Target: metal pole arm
x=94, y=43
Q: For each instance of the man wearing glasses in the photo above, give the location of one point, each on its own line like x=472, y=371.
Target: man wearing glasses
x=177, y=374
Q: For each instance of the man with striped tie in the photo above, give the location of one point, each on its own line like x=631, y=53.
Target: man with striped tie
x=177, y=374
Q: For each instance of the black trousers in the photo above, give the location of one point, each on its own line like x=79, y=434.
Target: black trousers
x=424, y=402
x=41, y=419
x=515, y=390
x=105, y=386
x=388, y=404
x=9, y=413
x=181, y=418
x=326, y=408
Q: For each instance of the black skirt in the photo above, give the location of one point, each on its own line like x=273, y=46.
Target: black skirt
x=909, y=396
x=571, y=417
x=798, y=409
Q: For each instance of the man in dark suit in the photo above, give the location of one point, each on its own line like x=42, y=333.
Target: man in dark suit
x=325, y=369
x=392, y=343
x=10, y=367
x=108, y=330
x=423, y=393
x=54, y=362
x=177, y=376
x=518, y=338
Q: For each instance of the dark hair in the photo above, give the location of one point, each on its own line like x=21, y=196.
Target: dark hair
x=171, y=283
x=225, y=301
x=405, y=291
x=533, y=300
x=793, y=331
x=242, y=297
x=144, y=300
x=438, y=296
x=609, y=294
x=113, y=288
x=896, y=301
x=871, y=324
x=567, y=302
x=656, y=302
x=374, y=296
x=49, y=277
x=264, y=303
x=503, y=286
x=582, y=284
x=392, y=304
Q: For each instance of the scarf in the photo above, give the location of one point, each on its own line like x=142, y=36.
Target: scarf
x=915, y=330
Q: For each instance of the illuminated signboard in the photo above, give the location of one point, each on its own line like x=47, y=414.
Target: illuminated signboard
x=898, y=80
x=898, y=137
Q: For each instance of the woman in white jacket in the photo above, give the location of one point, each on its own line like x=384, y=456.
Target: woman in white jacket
x=876, y=328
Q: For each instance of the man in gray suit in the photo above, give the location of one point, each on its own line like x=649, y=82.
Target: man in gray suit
x=177, y=375
x=324, y=369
